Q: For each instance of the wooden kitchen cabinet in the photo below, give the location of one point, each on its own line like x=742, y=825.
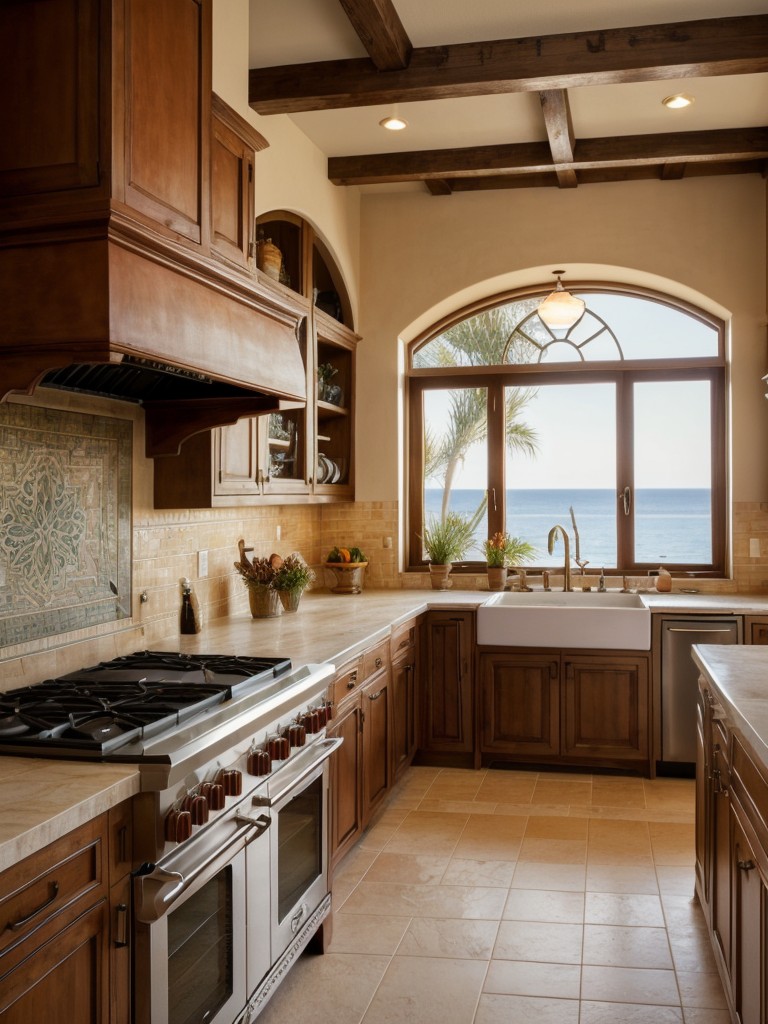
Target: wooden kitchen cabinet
x=404, y=655
x=756, y=630
x=376, y=699
x=346, y=778
x=564, y=707
x=447, y=715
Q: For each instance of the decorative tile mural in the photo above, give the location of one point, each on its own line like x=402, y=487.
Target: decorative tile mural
x=65, y=521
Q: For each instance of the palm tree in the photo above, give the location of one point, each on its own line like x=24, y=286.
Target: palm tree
x=477, y=341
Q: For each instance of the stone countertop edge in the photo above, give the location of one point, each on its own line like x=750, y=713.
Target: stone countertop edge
x=44, y=799
x=739, y=677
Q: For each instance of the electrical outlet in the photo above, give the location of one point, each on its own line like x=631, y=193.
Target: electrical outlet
x=278, y=532
x=202, y=564
x=754, y=547
x=387, y=542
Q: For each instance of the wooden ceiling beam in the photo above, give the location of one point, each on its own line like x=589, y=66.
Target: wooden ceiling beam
x=559, y=124
x=381, y=32
x=729, y=145
x=717, y=46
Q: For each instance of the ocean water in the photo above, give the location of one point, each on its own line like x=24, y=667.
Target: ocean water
x=671, y=525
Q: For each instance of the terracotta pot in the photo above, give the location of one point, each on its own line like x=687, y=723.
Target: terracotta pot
x=264, y=602
x=439, y=576
x=497, y=577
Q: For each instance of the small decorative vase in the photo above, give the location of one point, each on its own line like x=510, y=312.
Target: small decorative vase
x=349, y=576
x=439, y=576
x=497, y=577
x=264, y=602
x=269, y=259
x=290, y=599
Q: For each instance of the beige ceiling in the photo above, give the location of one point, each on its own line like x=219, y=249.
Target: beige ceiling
x=286, y=32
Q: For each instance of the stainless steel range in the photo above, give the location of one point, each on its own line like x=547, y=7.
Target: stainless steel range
x=230, y=827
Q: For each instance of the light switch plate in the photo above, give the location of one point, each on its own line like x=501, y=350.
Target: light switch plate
x=202, y=564
x=754, y=547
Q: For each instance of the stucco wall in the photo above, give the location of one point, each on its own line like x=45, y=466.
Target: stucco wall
x=703, y=240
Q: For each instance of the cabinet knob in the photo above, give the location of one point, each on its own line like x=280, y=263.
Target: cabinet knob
x=379, y=663
x=746, y=865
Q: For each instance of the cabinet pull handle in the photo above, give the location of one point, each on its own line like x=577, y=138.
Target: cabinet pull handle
x=404, y=643
x=746, y=865
x=351, y=684
x=121, y=926
x=15, y=925
x=375, y=696
x=379, y=663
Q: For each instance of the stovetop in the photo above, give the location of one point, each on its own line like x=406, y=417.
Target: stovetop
x=98, y=710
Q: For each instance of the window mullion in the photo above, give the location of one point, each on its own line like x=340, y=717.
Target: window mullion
x=625, y=473
x=496, y=483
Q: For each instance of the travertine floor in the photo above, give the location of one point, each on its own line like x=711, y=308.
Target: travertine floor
x=505, y=897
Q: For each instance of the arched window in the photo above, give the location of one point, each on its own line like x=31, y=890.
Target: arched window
x=620, y=419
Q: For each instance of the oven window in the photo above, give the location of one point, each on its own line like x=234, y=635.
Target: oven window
x=200, y=970
x=300, y=854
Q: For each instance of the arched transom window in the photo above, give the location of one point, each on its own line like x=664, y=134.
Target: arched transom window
x=617, y=424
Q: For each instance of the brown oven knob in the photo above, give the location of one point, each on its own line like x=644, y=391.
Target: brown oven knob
x=327, y=710
x=178, y=826
x=214, y=794
x=297, y=735
x=311, y=721
x=197, y=805
x=279, y=748
x=259, y=763
x=232, y=781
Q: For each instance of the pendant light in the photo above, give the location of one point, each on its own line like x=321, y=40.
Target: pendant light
x=560, y=310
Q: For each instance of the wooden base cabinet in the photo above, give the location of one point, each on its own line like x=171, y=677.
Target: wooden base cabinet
x=65, y=947
x=564, y=707
x=447, y=688
x=403, y=648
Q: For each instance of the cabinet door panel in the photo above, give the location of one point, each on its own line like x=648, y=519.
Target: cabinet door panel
x=403, y=710
x=520, y=702
x=448, y=714
x=346, y=775
x=606, y=707
x=377, y=716
x=167, y=110
x=749, y=938
x=236, y=462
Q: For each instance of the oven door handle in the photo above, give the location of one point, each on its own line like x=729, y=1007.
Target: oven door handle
x=157, y=889
x=327, y=747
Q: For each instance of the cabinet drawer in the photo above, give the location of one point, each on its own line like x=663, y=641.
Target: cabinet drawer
x=348, y=678
x=403, y=639
x=376, y=658
x=42, y=886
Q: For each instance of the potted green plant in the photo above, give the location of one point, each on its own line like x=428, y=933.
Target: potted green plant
x=258, y=575
x=291, y=580
x=502, y=552
x=446, y=540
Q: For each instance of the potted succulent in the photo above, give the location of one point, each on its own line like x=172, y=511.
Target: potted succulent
x=501, y=552
x=446, y=540
x=258, y=576
x=347, y=566
x=291, y=580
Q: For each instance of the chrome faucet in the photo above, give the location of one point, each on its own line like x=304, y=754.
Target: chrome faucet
x=551, y=547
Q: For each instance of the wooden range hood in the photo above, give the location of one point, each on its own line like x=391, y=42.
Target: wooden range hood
x=127, y=222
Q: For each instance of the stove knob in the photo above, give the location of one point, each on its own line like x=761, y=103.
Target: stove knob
x=197, y=805
x=214, y=794
x=297, y=735
x=311, y=721
x=328, y=710
x=279, y=748
x=178, y=826
x=232, y=781
x=259, y=763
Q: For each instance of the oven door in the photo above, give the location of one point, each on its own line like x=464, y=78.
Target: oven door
x=298, y=802
x=192, y=961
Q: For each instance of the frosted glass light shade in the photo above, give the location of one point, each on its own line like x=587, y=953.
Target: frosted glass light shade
x=560, y=310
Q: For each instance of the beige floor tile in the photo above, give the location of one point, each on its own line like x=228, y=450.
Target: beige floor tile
x=543, y=942
x=430, y=991
x=466, y=871
x=701, y=990
x=623, y=909
x=550, y=791
x=672, y=843
x=631, y=878
x=490, y=838
x=457, y=806
x=618, y=794
x=545, y=810
x=338, y=987
x=693, y=951
x=629, y=1013
x=682, y=911
x=494, y=1009
x=459, y=901
x=562, y=877
x=523, y=978
x=354, y=865
x=544, y=905
x=553, y=851
x=427, y=832
x=559, y=827
x=694, y=1015
x=629, y=985
x=407, y=868
x=676, y=881
x=461, y=940
x=619, y=831
x=620, y=946
x=357, y=933
x=512, y=789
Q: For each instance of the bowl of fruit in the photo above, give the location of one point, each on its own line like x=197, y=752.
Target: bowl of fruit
x=347, y=566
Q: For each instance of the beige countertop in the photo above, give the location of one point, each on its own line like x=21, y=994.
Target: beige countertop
x=44, y=799
x=739, y=677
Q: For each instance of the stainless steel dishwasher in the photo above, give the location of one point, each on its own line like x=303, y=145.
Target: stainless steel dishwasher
x=679, y=684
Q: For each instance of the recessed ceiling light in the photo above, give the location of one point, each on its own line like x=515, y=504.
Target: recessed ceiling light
x=393, y=124
x=677, y=102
